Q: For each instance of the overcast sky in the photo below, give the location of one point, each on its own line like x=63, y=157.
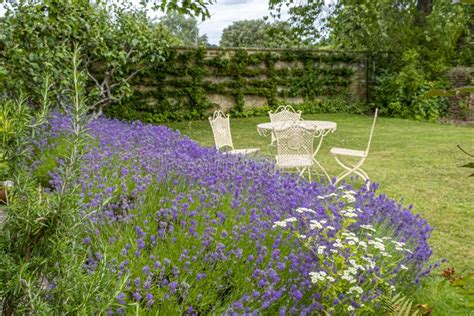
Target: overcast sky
x=224, y=12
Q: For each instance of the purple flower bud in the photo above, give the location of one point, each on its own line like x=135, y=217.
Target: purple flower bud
x=121, y=298
x=297, y=295
x=137, y=281
x=137, y=296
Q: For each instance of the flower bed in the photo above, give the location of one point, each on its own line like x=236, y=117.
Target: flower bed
x=186, y=229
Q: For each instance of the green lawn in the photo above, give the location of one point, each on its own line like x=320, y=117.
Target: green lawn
x=414, y=162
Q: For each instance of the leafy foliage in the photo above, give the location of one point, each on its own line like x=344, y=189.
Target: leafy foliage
x=117, y=41
x=404, y=93
x=259, y=33
x=38, y=237
x=305, y=17
x=430, y=30
x=185, y=29
x=180, y=88
x=399, y=305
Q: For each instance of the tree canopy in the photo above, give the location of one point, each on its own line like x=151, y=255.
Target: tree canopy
x=185, y=29
x=259, y=33
x=421, y=37
x=116, y=39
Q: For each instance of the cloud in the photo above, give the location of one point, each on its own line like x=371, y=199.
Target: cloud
x=225, y=12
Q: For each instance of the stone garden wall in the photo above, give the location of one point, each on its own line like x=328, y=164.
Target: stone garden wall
x=195, y=81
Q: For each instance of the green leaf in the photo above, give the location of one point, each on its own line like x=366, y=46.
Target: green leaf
x=468, y=165
x=440, y=93
x=467, y=89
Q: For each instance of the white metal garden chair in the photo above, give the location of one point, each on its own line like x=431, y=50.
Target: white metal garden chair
x=295, y=147
x=220, y=125
x=283, y=113
x=350, y=168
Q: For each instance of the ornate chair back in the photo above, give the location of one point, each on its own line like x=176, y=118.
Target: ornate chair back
x=294, y=141
x=220, y=125
x=284, y=113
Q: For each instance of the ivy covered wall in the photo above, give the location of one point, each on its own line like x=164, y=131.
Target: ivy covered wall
x=192, y=82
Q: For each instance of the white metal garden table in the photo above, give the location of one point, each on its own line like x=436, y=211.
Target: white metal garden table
x=322, y=128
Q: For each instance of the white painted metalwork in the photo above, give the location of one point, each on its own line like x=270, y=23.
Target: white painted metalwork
x=283, y=113
x=321, y=128
x=220, y=125
x=295, y=147
x=350, y=168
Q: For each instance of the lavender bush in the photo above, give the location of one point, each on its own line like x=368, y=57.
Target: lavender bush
x=185, y=229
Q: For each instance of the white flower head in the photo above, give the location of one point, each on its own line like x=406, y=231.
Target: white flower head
x=321, y=250
x=317, y=276
x=313, y=224
x=304, y=210
x=368, y=227
x=349, y=196
x=279, y=224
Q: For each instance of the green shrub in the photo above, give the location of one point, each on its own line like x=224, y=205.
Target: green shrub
x=403, y=93
x=48, y=158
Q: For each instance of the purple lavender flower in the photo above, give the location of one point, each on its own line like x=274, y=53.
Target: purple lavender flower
x=137, y=281
x=173, y=285
x=201, y=184
x=297, y=295
x=146, y=270
x=121, y=298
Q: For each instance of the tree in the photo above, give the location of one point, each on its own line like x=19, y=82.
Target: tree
x=117, y=40
x=245, y=33
x=258, y=33
x=305, y=17
x=185, y=29
x=419, y=35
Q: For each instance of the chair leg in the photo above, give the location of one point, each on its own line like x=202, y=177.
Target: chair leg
x=301, y=172
x=322, y=169
x=350, y=169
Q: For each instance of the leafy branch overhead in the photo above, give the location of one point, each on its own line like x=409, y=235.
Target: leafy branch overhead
x=118, y=41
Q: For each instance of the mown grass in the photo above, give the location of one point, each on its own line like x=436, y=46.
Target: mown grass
x=414, y=162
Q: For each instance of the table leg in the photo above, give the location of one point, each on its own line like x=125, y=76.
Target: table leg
x=316, y=161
